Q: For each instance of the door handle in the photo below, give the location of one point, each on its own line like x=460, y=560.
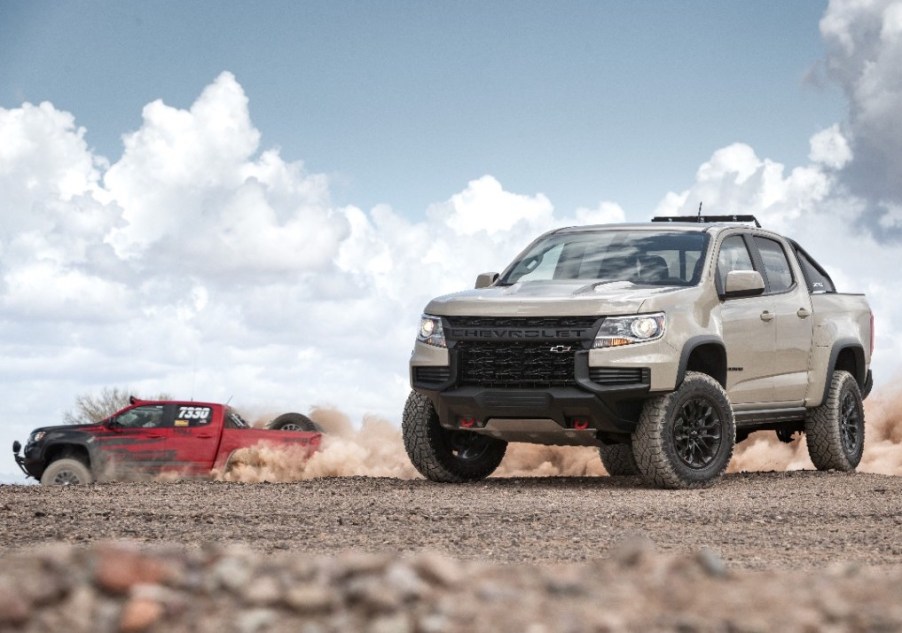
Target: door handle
x=767, y=316
x=803, y=313
x=204, y=436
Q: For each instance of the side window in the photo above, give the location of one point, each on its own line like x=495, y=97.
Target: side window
x=776, y=266
x=146, y=417
x=818, y=282
x=734, y=255
x=193, y=416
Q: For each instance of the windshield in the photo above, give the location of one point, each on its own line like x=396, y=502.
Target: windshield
x=641, y=257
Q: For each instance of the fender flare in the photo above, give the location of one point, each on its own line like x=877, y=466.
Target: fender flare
x=861, y=373
x=64, y=443
x=690, y=346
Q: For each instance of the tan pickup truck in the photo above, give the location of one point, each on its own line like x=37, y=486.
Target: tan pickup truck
x=663, y=344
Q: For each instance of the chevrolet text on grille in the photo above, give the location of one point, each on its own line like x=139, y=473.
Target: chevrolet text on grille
x=468, y=333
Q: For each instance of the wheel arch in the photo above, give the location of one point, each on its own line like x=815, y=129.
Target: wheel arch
x=705, y=354
x=64, y=450
x=846, y=355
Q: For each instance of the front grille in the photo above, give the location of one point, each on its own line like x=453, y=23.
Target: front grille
x=516, y=352
x=619, y=375
x=431, y=375
x=514, y=364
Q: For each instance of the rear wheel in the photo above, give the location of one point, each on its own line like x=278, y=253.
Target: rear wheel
x=685, y=439
x=444, y=455
x=834, y=431
x=66, y=472
x=293, y=422
x=618, y=460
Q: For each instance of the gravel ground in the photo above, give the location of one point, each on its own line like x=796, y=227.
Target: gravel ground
x=795, y=551
x=798, y=519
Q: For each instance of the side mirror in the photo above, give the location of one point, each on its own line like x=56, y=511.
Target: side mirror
x=484, y=280
x=743, y=283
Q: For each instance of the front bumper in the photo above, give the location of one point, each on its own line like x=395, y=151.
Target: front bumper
x=580, y=413
x=28, y=462
x=20, y=460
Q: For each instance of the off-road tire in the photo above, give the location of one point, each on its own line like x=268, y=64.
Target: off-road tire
x=66, y=472
x=618, y=460
x=685, y=439
x=443, y=455
x=834, y=431
x=293, y=422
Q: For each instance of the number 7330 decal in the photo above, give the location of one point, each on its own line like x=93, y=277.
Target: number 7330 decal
x=194, y=413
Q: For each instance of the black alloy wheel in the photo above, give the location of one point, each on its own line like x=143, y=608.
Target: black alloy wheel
x=850, y=424
x=697, y=433
x=469, y=447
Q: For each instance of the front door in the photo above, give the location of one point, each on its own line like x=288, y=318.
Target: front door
x=749, y=331
x=137, y=441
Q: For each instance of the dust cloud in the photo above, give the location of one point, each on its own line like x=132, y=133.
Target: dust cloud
x=375, y=449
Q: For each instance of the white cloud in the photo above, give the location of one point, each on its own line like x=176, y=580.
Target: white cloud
x=864, y=46
x=485, y=206
x=606, y=213
x=830, y=148
x=736, y=181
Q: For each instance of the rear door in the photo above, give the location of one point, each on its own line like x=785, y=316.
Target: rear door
x=791, y=306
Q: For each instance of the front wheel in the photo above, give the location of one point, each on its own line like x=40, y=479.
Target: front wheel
x=834, y=431
x=443, y=455
x=66, y=472
x=685, y=439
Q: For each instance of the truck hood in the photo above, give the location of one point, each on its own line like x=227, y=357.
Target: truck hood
x=550, y=298
x=67, y=427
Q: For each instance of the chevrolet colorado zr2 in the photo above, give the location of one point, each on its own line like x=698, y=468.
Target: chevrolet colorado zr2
x=662, y=344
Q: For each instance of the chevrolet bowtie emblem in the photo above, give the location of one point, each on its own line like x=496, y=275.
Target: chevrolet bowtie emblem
x=560, y=349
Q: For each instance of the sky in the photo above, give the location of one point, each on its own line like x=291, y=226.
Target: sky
x=255, y=202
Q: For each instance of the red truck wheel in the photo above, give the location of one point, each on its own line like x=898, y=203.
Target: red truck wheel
x=293, y=422
x=66, y=472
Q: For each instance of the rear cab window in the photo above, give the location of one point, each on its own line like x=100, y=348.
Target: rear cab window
x=817, y=280
x=777, y=272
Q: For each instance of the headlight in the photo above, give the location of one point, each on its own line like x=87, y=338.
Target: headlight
x=431, y=331
x=641, y=328
x=37, y=436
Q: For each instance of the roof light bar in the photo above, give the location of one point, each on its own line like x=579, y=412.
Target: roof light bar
x=700, y=219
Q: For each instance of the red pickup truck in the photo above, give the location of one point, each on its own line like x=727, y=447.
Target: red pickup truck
x=152, y=437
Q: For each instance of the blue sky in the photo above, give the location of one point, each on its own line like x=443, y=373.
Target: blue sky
x=254, y=202
x=403, y=103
